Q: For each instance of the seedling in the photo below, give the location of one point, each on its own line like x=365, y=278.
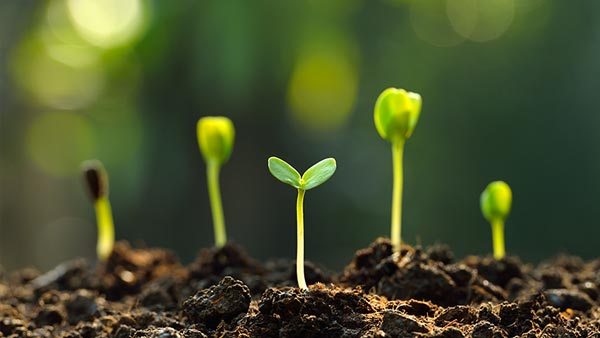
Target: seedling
x=396, y=115
x=96, y=181
x=313, y=177
x=215, y=138
x=496, y=201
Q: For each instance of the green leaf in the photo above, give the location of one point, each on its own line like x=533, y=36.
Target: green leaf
x=417, y=102
x=318, y=173
x=284, y=172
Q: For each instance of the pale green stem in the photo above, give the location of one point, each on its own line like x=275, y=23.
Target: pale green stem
x=397, y=152
x=300, y=244
x=106, y=229
x=214, y=193
x=498, y=238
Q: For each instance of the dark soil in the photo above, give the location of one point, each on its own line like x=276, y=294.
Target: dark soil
x=225, y=293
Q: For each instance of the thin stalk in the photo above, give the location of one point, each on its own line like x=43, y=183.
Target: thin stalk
x=498, y=238
x=397, y=153
x=300, y=244
x=106, y=229
x=214, y=193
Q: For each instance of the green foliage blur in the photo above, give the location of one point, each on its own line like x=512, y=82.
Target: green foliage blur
x=509, y=93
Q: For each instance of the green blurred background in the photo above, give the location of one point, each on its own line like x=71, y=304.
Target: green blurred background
x=510, y=91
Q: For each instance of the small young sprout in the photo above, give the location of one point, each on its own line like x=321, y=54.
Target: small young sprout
x=215, y=138
x=96, y=180
x=396, y=115
x=313, y=177
x=496, y=200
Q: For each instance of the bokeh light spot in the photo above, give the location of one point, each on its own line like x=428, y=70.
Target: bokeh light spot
x=63, y=43
x=57, y=142
x=76, y=56
x=481, y=20
x=322, y=90
x=430, y=22
x=107, y=23
x=54, y=83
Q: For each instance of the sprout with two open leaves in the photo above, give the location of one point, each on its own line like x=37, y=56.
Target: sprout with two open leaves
x=313, y=177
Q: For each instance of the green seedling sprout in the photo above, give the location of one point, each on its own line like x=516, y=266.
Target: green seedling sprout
x=313, y=177
x=396, y=115
x=496, y=201
x=96, y=180
x=215, y=138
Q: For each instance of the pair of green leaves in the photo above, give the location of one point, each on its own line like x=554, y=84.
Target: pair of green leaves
x=313, y=177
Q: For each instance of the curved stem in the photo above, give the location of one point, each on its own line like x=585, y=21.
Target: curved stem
x=214, y=193
x=397, y=152
x=106, y=229
x=300, y=244
x=498, y=238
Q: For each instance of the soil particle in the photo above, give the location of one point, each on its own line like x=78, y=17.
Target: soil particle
x=486, y=329
x=498, y=272
x=70, y=275
x=166, y=332
x=440, y=253
x=414, y=275
x=456, y=314
x=224, y=301
x=396, y=324
x=416, y=280
x=227, y=260
x=49, y=315
x=160, y=294
x=590, y=289
x=486, y=313
x=193, y=333
x=81, y=306
x=417, y=308
x=370, y=265
x=9, y=326
x=449, y=332
x=320, y=311
x=568, y=299
x=127, y=269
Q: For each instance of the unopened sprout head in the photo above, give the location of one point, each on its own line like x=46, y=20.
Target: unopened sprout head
x=396, y=115
x=96, y=181
x=496, y=201
x=215, y=138
x=313, y=177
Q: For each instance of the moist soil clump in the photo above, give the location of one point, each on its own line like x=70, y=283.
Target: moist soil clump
x=147, y=292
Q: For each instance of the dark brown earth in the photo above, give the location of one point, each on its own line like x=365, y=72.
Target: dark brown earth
x=224, y=293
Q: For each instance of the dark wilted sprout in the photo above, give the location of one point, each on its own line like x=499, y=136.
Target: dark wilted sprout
x=96, y=181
